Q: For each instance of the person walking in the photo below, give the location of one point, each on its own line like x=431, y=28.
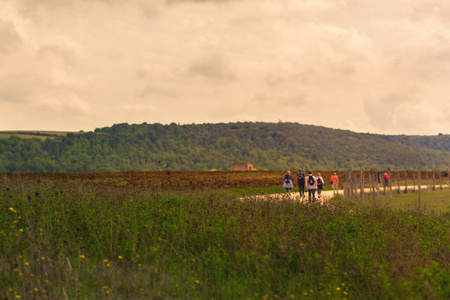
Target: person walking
x=287, y=181
x=378, y=180
x=320, y=184
x=386, y=180
x=311, y=185
x=301, y=182
x=334, y=180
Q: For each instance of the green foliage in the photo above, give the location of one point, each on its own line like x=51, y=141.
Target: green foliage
x=78, y=243
x=124, y=147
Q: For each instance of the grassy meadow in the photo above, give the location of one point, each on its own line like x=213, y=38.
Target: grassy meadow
x=84, y=242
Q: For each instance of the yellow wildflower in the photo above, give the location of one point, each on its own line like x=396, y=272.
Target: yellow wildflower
x=14, y=211
x=82, y=256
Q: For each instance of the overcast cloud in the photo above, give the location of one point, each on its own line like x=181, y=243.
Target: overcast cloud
x=369, y=66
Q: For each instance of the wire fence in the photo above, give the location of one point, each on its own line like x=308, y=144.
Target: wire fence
x=362, y=183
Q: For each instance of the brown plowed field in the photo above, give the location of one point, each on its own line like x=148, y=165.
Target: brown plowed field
x=186, y=180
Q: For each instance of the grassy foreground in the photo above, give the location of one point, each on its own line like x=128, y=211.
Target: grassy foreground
x=84, y=243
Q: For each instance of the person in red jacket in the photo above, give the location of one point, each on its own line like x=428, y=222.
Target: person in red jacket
x=334, y=180
x=386, y=180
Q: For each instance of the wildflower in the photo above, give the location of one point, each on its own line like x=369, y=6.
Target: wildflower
x=137, y=255
x=43, y=258
x=27, y=264
x=197, y=281
x=17, y=296
x=46, y=281
x=21, y=230
x=108, y=265
x=82, y=256
x=14, y=211
x=139, y=265
x=345, y=293
x=36, y=289
x=292, y=296
x=338, y=288
x=311, y=291
x=120, y=256
x=15, y=221
x=105, y=260
x=305, y=293
x=343, y=284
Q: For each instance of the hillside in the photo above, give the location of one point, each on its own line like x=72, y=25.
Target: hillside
x=216, y=146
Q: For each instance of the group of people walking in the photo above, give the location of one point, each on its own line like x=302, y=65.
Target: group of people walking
x=310, y=183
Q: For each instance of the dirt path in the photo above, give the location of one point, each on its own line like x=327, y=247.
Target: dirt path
x=327, y=195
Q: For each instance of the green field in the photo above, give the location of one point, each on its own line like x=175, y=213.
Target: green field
x=32, y=134
x=61, y=242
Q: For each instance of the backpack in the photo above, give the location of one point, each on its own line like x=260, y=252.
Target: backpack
x=301, y=176
x=311, y=180
x=319, y=181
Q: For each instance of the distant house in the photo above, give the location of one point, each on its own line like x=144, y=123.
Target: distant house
x=242, y=167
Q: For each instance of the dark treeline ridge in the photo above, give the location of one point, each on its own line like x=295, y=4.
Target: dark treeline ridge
x=274, y=146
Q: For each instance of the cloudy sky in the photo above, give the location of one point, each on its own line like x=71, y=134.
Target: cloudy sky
x=377, y=66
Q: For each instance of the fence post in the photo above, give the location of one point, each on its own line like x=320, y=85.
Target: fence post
x=390, y=188
x=361, y=190
x=418, y=186
x=428, y=182
x=434, y=180
x=440, y=179
x=406, y=182
x=414, y=182
x=373, y=186
x=346, y=185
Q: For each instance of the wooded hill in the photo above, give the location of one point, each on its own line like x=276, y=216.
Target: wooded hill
x=272, y=146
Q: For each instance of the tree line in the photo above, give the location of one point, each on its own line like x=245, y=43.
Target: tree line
x=274, y=146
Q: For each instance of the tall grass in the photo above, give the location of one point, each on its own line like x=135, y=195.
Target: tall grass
x=77, y=243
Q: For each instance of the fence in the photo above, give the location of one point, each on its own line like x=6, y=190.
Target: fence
x=377, y=184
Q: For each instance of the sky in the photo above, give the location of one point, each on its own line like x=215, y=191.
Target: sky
x=377, y=66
